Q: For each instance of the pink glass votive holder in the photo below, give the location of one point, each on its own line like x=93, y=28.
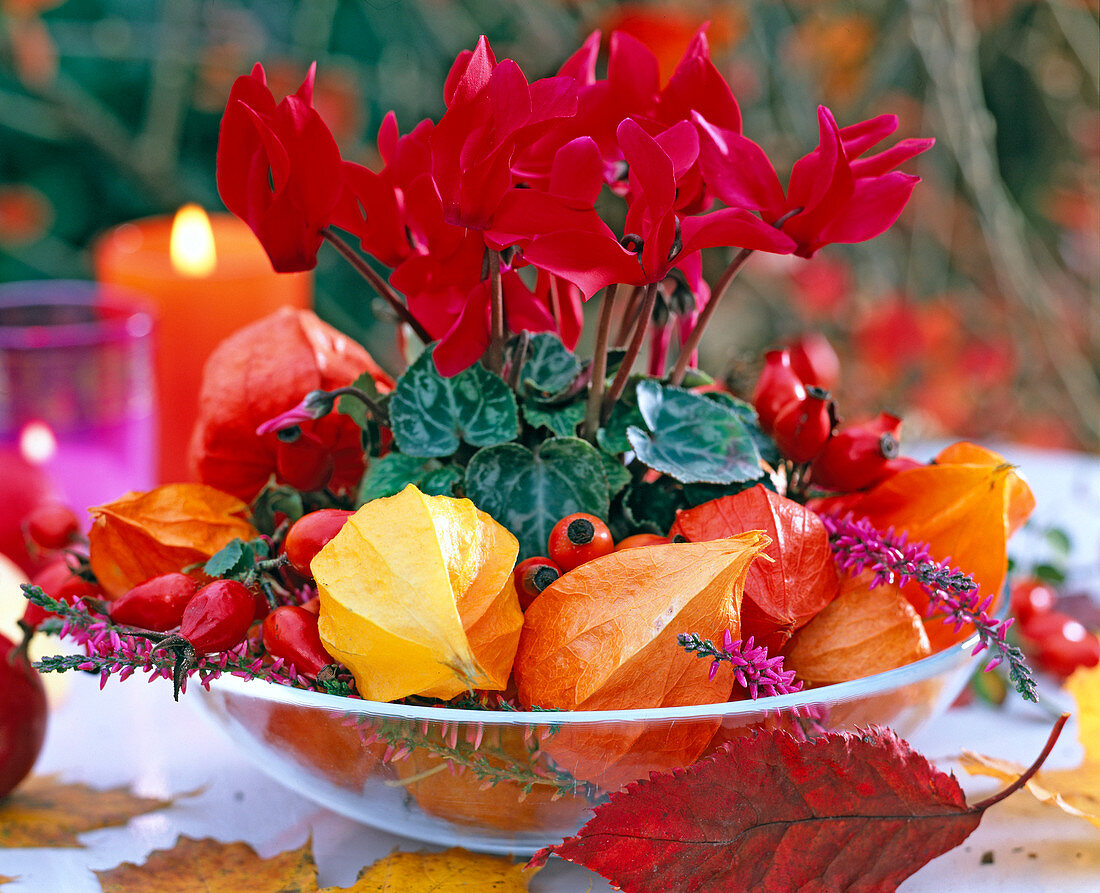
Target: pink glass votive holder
x=76, y=386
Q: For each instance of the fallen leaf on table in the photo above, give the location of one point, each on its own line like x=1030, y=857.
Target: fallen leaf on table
x=452, y=871
x=209, y=866
x=43, y=812
x=1077, y=791
x=843, y=811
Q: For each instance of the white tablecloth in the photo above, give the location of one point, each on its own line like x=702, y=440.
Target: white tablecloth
x=133, y=734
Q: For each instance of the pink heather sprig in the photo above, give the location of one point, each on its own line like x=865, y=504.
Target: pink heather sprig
x=121, y=651
x=857, y=546
x=752, y=668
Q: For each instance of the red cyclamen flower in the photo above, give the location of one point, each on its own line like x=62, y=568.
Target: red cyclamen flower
x=661, y=238
x=279, y=169
x=834, y=195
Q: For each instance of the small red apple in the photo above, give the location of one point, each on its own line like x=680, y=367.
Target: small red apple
x=23, y=713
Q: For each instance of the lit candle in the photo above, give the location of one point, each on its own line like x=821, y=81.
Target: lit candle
x=206, y=278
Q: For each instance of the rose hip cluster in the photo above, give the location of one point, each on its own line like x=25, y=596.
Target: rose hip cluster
x=794, y=406
x=575, y=540
x=1058, y=642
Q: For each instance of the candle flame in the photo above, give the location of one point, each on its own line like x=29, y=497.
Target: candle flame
x=37, y=442
x=192, y=244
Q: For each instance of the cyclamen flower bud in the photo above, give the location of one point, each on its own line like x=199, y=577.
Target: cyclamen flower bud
x=804, y=426
x=858, y=457
x=777, y=386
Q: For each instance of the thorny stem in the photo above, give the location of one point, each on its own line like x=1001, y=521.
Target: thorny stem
x=494, y=357
x=688, y=348
x=632, y=351
x=377, y=283
x=599, y=365
x=1052, y=739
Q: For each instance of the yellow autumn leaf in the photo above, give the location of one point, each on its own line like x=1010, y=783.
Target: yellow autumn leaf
x=43, y=812
x=417, y=597
x=452, y=871
x=210, y=866
x=1076, y=791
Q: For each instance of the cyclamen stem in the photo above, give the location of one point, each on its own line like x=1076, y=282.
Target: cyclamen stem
x=494, y=356
x=632, y=351
x=858, y=545
x=630, y=314
x=688, y=348
x=363, y=397
x=599, y=364
x=377, y=283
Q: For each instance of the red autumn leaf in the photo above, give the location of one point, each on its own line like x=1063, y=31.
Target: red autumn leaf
x=783, y=594
x=848, y=811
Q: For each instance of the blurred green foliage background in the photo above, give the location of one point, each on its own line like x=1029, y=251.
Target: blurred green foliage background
x=977, y=315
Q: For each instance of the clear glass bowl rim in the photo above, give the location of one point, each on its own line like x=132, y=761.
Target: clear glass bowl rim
x=867, y=686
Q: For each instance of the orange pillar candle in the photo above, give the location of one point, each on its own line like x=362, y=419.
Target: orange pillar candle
x=205, y=282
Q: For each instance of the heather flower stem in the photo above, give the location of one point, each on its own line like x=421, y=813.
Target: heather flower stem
x=688, y=348
x=858, y=545
x=632, y=351
x=377, y=283
x=494, y=356
x=599, y=365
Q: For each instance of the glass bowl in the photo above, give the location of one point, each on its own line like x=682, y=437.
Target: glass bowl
x=512, y=782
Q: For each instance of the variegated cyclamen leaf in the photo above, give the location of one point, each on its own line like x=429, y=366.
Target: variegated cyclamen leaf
x=431, y=414
x=441, y=481
x=693, y=439
x=617, y=474
x=769, y=452
x=391, y=474
x=530, y=491
x=612, y=436
x=356, y=408
x=561, y=420
x=549, y=365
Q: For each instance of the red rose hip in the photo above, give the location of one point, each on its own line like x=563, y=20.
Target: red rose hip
x=218, y=616
x=157, y=604
x=290, y=632
x=577, y=539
